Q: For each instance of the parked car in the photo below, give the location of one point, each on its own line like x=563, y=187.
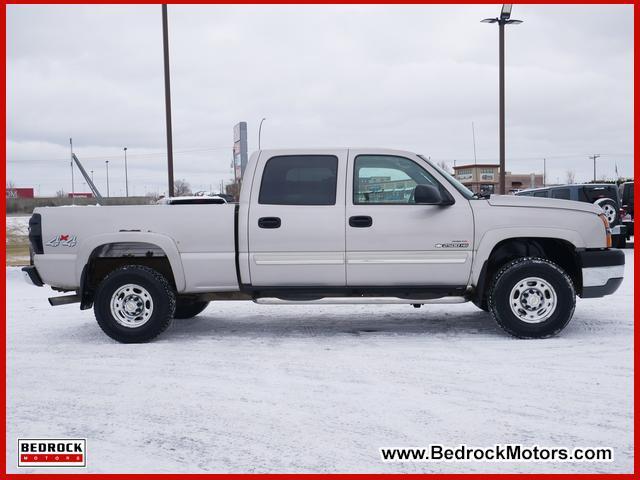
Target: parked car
x=192, y=200
x=626, y=212
x=604, y=195
x=365, y=226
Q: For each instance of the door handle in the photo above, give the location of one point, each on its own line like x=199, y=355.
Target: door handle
x=269, y=222
x=360, y=221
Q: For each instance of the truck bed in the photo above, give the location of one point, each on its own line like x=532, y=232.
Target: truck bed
x=198, y=237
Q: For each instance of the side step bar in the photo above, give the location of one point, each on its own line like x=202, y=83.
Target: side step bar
x=360, y=301
x=64, y=300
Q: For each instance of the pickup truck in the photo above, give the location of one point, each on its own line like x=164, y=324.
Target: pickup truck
x=343, y=226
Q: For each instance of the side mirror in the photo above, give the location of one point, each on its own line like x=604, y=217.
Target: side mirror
x=427, y=195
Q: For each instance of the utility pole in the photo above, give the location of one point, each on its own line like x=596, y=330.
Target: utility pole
x=544, y=172
x=167, y=97
x=73, y=199
x=594, y=157
x=473, y=132
x=126, y=177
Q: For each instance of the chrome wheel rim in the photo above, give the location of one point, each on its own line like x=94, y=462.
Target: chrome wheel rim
x=131, y=305
x=609, y=212
x=533, y=300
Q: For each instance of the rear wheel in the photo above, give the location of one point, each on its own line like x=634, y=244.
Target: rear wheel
x=134, y=304
x=532, y=298
x=188, y=308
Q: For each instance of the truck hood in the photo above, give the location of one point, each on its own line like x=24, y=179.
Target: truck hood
x=539, y=202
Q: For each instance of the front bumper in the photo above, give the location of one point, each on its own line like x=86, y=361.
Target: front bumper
x=32, y=276
x=602, y=272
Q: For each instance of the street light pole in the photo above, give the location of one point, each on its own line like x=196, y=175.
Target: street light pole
x=594, y=158
x=107, y=164
x=504, y=19
x=126, y=176
x=260, y=132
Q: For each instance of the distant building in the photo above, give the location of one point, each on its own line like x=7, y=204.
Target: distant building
x=20, y=193
x=80, y=195
x=485, y=177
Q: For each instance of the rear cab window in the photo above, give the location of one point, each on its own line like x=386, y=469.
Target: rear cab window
x=299, y=180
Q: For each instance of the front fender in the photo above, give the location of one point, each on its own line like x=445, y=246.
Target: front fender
x=162, y=241
x=492, y=237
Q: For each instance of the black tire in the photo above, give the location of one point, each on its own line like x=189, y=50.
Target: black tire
x=188, y=308
x=611, y=210
x=507, y=279
x=619, y=241
x=156, y=298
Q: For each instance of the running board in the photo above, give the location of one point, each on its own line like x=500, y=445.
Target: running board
x=64, y=300
x=360, y=301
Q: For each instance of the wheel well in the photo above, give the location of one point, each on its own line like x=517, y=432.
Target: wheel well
x=111, y=256
x=560, y=252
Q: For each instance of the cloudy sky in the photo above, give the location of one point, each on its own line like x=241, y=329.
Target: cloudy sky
x=408, y=77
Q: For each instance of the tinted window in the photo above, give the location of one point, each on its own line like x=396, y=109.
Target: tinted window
x=593, y=193
x=299, y=180
x=562, y=193
x=382, y=179
x=542, y=193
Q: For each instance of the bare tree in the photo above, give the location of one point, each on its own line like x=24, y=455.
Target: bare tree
x=61, y=194
x=443, y=165
x=181, y=188
x=571, y=176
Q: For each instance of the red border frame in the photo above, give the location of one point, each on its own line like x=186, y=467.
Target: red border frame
x=3, y=331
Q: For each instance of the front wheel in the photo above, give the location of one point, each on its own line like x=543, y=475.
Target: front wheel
x=532, y=298
x=134, y=304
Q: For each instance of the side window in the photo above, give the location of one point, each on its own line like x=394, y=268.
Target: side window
x=541, y=193
x=384, y=180
x=562, y=193
x=299, y=180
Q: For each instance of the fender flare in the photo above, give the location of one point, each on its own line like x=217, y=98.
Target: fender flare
x=161, y=241
x=491, y=238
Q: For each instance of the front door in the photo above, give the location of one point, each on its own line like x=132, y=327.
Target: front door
x=391, y=240
x=297, y=220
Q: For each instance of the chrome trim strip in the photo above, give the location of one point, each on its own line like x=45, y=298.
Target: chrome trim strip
x=360, y=300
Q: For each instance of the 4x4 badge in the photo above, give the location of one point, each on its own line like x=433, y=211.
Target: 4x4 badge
x=65, y=240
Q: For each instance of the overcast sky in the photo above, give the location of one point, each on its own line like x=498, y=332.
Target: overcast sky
x=407, y=77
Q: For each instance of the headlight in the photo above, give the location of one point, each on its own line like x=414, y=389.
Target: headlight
x=607, y=229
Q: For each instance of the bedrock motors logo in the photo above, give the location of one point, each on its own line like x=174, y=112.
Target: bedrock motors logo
x=52, y=452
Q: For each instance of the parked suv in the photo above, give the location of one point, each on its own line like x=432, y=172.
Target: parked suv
x=604, y=195
x=626, y=212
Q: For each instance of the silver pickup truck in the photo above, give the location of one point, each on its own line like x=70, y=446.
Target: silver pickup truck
x=329, y=226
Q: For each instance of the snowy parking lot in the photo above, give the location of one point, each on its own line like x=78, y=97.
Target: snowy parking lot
x=245, y=387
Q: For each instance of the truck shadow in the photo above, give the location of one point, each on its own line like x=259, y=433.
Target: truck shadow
x=288, y=324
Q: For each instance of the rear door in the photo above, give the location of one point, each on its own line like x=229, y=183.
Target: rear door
x=297, y=220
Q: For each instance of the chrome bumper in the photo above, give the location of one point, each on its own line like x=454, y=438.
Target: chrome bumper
x=602, y=272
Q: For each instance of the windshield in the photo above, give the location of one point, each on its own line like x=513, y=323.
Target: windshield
x=468, y=194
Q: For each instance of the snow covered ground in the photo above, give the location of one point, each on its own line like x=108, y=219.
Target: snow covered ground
x=256, y=388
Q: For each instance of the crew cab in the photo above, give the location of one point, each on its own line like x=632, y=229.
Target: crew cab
x=369, y=226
